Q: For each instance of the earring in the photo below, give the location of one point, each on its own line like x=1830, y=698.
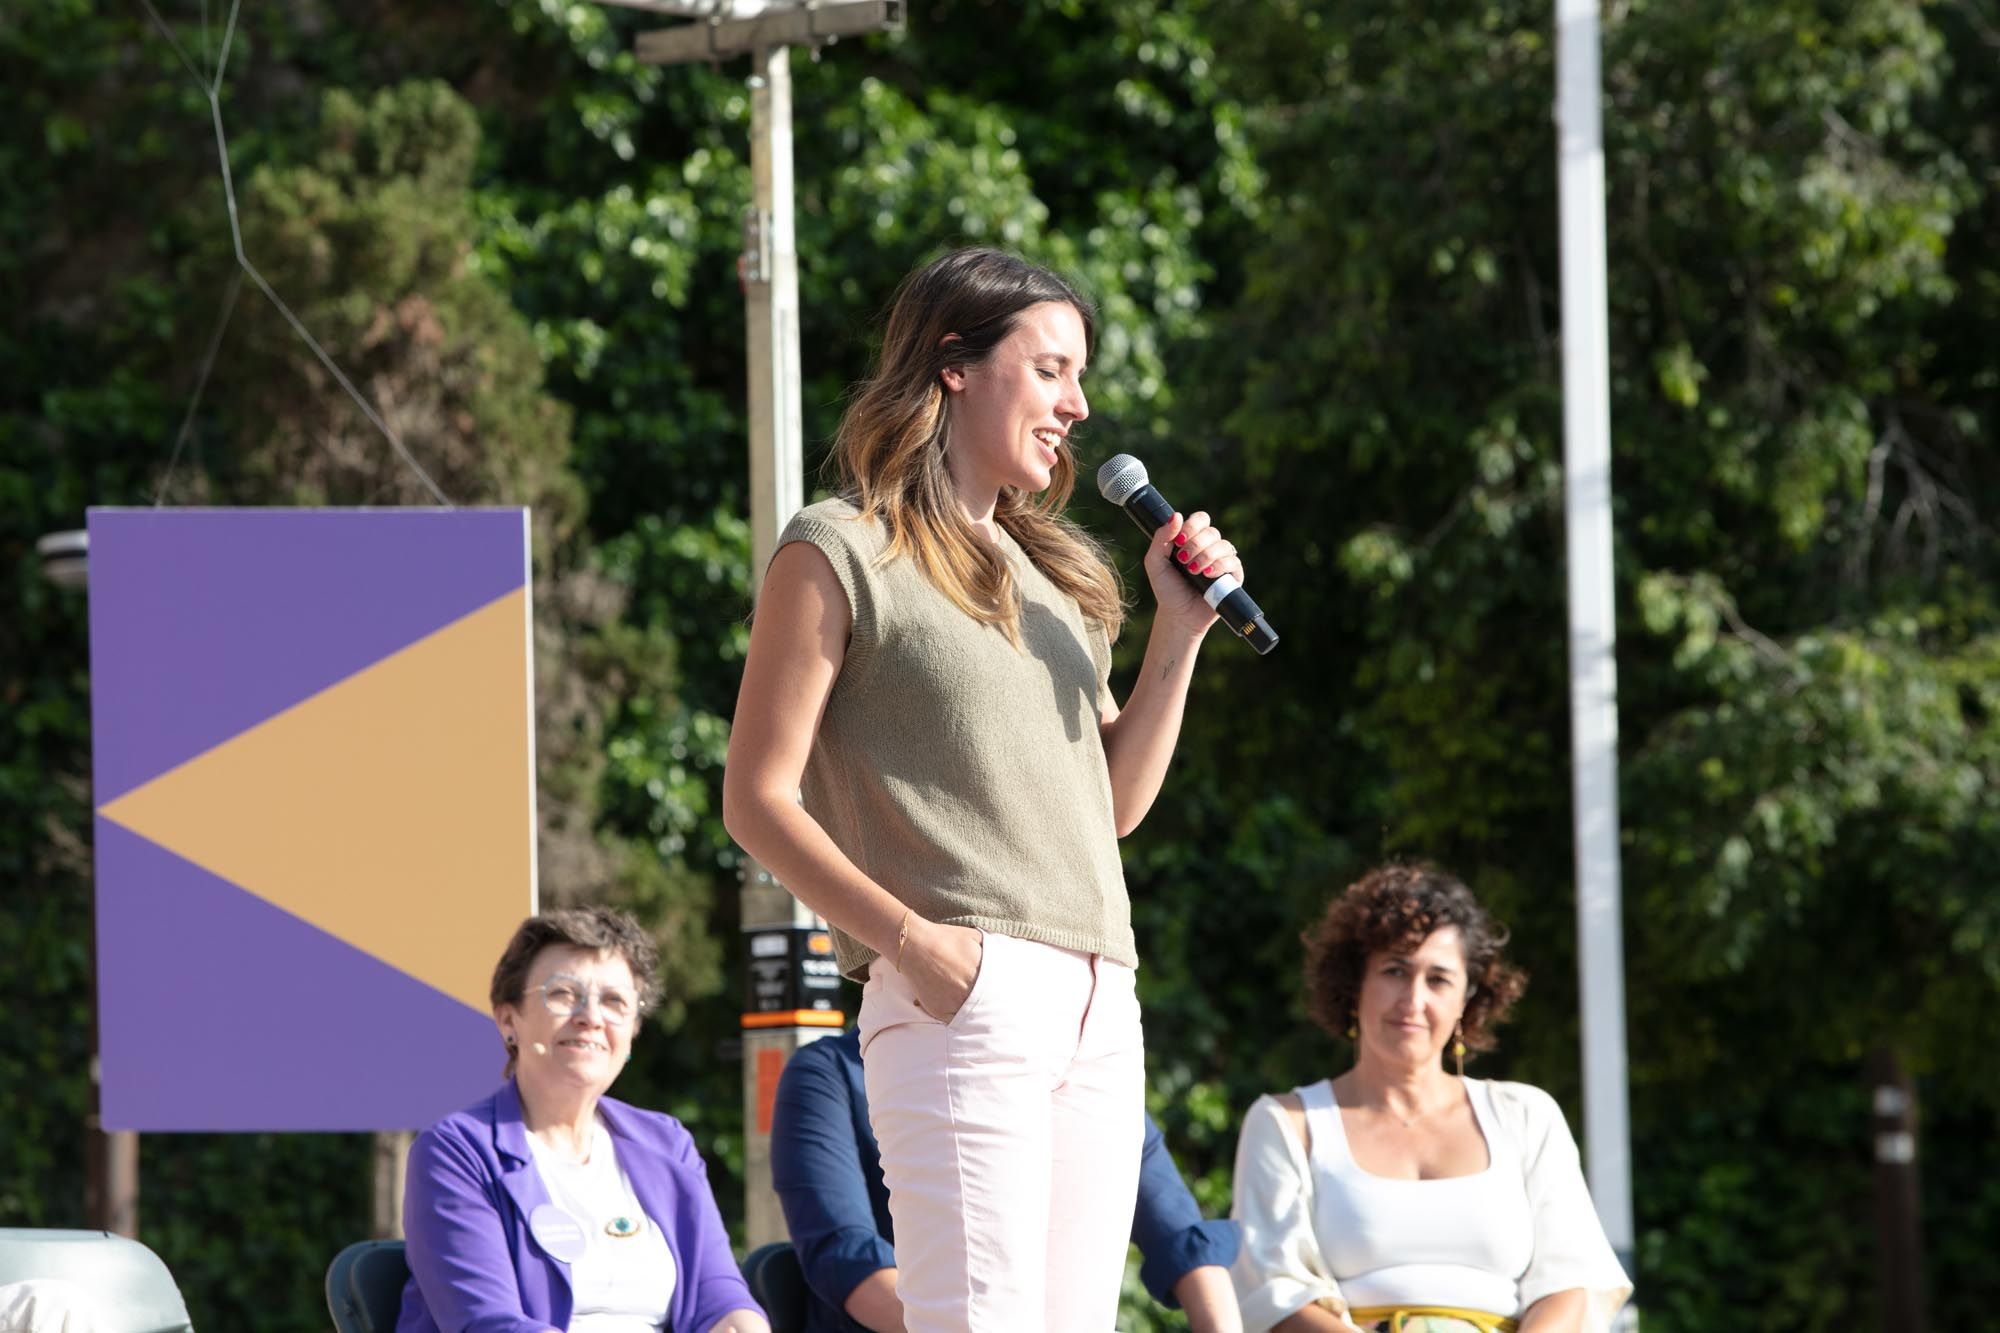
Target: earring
x=1353, y=1025
x=1458, y=1046
x=509, y=1039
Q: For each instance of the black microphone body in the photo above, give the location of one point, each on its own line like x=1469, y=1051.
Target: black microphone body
x=1122, y=480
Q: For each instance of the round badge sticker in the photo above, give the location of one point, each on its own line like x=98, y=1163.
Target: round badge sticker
x=558, y=1233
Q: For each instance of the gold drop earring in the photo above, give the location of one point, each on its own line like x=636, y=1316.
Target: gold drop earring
x=1458, y=1045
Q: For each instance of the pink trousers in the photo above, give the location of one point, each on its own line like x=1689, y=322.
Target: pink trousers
x=1010, y=1139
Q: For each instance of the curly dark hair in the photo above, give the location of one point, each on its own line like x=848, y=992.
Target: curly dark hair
x=1397, y=906
x=597, y=929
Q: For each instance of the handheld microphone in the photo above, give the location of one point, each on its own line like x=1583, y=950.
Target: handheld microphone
x=1122, y=480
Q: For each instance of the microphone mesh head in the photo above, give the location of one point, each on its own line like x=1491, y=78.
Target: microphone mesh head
x=1120, y=475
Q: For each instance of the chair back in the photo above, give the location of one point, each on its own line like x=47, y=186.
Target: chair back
x=128, y=1287
x=778, y=1282
x=364, y=1286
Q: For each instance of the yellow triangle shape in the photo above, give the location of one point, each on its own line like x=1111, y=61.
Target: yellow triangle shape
x=394, y=810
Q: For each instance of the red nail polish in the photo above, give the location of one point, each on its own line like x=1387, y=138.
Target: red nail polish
x=1183, y=556
x=1180, y=539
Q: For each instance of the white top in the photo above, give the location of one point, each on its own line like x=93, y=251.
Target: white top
x=621, y=1284
x=1316, y=1227
x=1462, y=1241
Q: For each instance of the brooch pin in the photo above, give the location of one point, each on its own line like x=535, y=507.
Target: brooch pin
x=624, y=1228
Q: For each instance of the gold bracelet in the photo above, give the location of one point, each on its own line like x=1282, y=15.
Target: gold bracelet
x=902, y=937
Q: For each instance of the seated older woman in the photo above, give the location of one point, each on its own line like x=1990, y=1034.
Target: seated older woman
x=549, y=1206
x=1398, y=1196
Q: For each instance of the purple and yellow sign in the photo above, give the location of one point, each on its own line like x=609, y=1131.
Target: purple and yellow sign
x=314, y=774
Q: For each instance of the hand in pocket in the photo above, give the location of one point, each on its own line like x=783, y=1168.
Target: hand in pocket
x=941, y=963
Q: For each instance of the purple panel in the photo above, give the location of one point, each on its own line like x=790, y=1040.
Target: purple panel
x=205, y=622
x=218, y=1011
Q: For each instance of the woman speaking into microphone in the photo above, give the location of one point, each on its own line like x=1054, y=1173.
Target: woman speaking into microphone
x=929, y=671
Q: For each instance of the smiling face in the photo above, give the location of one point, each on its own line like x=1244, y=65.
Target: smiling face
x=1411, y=999
x=1011, y=413
x=586, y=1047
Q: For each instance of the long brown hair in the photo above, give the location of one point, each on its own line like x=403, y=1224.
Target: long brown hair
x=890, y=449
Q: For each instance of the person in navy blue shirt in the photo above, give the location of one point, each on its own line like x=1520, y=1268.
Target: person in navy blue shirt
x=828, y=1175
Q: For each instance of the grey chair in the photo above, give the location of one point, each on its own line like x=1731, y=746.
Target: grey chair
x=130, y=1288
x=775, y=1278
x=364, y=1286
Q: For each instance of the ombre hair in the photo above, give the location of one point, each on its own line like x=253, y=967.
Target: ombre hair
x=889, y=452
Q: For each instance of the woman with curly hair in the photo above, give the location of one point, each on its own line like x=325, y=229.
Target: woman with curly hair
x=1400, y=1197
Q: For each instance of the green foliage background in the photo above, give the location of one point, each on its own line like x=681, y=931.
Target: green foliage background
x=1323, y=239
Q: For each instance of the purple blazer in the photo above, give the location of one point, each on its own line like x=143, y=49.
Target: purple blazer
x=476, y=1268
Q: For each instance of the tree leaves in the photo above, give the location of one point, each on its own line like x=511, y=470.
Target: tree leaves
x=1322, y=239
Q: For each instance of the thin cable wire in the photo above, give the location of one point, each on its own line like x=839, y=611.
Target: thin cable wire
x=201, y=383
x=174, y=42
x=222, y=56
x=213, y=89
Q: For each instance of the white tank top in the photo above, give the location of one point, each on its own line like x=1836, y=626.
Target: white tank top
x=1461, y=1241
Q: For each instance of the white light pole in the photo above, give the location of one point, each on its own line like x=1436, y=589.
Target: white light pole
x=769, y=268
x=1592, y=623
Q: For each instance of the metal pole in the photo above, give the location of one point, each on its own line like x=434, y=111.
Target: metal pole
x=1592, y=624
x=811, y=25
x=390, y=1158
x=110, y=1157
x=1898, y=1211
x=111, y=1168
x=770, y=272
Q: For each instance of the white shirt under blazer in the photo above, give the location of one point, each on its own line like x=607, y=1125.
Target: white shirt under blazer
x=1317, y=1226
x=622, y=1280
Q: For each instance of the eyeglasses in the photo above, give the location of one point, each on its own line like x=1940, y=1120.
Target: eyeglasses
x=564, y=995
